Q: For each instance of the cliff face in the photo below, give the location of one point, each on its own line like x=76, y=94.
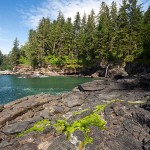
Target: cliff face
x=103, y=114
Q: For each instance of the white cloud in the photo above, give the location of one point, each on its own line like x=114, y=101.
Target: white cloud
x=69, y=8
x=145, y=4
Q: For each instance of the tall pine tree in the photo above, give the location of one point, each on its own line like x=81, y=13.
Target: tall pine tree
x=15, y=54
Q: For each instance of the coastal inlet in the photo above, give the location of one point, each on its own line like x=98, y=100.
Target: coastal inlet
x=13, y=87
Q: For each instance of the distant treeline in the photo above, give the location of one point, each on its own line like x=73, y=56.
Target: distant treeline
x=113, y=36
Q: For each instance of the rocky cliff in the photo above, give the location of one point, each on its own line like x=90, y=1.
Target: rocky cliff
x=101, y=115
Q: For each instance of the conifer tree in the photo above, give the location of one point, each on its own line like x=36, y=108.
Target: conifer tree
x=59, y=36
x=42, y=34
x=31, y=48
x=135, y=30
x=82, y=37
x=77, y=27
x=103, y=32
x=1, y=58
x=123, y=37
x=90, y=39
x=15, y=54
x=146, y=37
x=116, y=36
x=68, y=33
x=113, y=31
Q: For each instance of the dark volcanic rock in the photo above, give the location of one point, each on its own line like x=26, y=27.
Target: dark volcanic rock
x=19, y=107
x=147, y=105
x=143, y=118
x=127, y=123
x=16, y=128
x=61, y=143
x=19, y=126
x=146, y=144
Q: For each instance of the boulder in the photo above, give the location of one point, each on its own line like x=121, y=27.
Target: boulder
x=95, y=75
x=96, y=85
x=117, y=72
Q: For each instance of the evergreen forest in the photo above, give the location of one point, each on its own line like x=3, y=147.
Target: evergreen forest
x=116, y=35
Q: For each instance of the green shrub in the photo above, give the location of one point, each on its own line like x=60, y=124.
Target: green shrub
x=63, y=61
x=24, y=60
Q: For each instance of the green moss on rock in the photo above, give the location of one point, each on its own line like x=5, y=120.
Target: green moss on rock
x=37, y=127
x=83, y=124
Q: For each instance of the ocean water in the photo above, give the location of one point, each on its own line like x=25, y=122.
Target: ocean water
x=13, y=87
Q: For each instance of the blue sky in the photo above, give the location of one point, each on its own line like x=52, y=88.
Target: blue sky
x=18, y=16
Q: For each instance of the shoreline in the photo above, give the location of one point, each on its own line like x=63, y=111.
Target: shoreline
x=126, y=100
x=35, y=89
x=37, y=74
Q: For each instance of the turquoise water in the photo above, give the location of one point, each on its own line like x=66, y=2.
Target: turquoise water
x=13, y=87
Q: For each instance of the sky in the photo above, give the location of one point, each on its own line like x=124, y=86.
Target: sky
x=18, y=16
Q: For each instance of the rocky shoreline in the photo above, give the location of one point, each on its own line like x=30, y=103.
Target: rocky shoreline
x=29, y=72
x=126, y=115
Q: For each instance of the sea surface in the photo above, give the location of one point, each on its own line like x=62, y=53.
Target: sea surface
x=13, y=87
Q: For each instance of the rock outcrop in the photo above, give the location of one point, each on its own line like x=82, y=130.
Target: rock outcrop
x=6, y=72
x=125, y=112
